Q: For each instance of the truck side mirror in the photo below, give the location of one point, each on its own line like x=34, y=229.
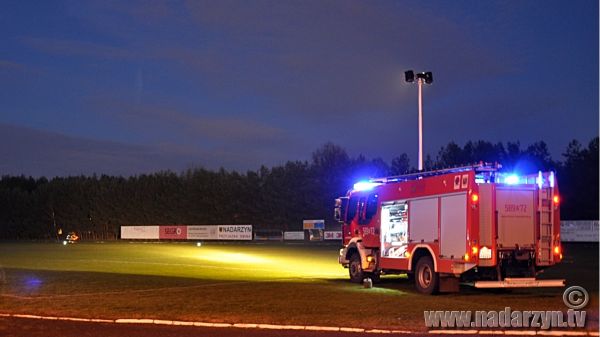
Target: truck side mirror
x=339, y=211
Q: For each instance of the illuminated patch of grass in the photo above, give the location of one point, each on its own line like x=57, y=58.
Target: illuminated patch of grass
x=222, y=262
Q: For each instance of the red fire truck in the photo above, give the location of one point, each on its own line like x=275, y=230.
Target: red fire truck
x=472, y=224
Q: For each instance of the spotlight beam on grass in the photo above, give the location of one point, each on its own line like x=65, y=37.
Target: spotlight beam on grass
x=212, y=262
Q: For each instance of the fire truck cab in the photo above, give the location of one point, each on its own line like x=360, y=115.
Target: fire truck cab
x=471, y=224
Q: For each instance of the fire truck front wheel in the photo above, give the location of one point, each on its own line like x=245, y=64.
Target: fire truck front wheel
x=426, y=279
x=355, y=269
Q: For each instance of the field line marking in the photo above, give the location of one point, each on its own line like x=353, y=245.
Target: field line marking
x=98, y=320
x=212, y=325
x=514, y=332
x=491, y=332
x=27, y=316
x=134, y=321
x=163, y=322
x=454, y=332
x=245, y=325
x=321, y=328
x=342, y=329
x=563, y=333
x=300, y=327
x=74, y=319
x=520, y=332
x=183, y=323
x=279, y=327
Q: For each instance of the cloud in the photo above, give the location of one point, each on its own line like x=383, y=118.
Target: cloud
x=313, y=60
x=236, y=141
x=202, y=126
x=326, y=59
x=34, y=152
x=10, y=65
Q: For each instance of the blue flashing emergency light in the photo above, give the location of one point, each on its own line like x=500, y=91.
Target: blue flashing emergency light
x=365, y=185
x=512, y=179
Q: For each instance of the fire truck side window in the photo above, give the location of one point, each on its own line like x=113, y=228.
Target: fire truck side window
x=352, y=205
x=361, y=210
x=367, y=208
x=371, y=206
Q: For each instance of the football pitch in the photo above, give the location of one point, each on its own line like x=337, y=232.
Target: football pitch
x=245, y=283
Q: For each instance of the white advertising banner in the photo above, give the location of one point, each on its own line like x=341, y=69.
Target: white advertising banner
x=333, y=235
x=234, y=232
x=202, y=233
x=293, y=236
x=579, y=231
x=140, y=232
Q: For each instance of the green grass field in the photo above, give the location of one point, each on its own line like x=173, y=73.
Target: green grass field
x=250, y=283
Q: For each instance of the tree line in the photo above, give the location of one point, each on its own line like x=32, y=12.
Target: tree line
x=279, y=197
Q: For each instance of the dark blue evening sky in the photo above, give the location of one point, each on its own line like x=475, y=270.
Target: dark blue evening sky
x=126, y=87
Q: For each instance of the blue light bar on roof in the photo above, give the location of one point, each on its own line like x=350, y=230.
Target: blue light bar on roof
x=512, y=179
x=365, y=185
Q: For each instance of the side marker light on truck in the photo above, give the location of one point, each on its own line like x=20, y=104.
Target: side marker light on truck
x=556, y=250
x=556, y=199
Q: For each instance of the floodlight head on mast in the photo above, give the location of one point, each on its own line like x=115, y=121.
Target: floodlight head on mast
x=428, y=77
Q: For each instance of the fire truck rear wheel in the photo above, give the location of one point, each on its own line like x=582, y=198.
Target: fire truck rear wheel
x=355, y=269
x=426, y=279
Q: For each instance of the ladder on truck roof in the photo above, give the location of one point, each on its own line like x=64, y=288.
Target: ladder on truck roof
x=481, y=167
